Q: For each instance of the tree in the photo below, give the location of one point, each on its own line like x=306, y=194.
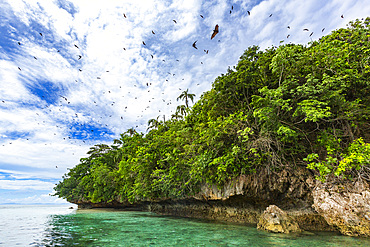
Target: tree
x=153, y=123
x=181, y=110
x=131, y=131
x=186, y=96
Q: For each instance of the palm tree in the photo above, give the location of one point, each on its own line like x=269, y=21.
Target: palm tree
x=176, y=115
x=186, y=96
x=181, y=109
x=153, y=123
x=98, y=150
x=131, y=131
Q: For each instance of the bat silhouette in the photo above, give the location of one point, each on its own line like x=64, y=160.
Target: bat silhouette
x=194, y=44
x=215, y=31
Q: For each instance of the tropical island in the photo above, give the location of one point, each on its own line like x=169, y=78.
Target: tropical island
x=282, y=140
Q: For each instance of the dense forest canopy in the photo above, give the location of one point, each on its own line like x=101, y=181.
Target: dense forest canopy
x=286, y=106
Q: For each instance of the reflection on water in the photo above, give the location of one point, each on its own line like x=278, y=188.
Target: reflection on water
x=30, y=227
x=20, y=225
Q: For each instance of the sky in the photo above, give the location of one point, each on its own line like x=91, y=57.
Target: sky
x=78, y=73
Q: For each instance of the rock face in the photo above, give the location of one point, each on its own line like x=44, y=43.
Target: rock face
x=347, y=209
x=288, y=189
x=276, y=220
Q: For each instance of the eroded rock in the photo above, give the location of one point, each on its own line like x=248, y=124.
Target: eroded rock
x=347, y=209
x=289, y=188
x=276, y=220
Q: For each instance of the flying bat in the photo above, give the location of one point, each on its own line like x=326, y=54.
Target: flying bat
x=194, y=44
x=215, y=31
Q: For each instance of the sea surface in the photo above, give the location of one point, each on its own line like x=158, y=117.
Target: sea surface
x=57, y=225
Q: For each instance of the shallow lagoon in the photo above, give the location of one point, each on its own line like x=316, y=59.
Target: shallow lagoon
x=61, y=226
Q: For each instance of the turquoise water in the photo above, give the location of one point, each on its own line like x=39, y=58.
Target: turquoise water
x=61, y=226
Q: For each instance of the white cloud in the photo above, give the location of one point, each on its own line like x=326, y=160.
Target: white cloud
x=37, y=199
x=25, y=185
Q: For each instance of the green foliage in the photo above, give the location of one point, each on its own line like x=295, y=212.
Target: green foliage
x=357, y=158
x=292, y=106
x=353, y=163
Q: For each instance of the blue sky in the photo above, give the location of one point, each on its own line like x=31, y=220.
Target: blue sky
x=76, y=73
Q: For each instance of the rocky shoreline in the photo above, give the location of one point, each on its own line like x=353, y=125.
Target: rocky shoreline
x=284, y=202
